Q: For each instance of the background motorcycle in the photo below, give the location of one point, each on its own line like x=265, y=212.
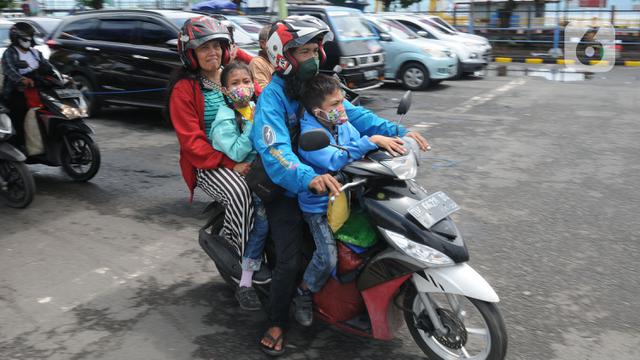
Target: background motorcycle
x=17, y=187
x=416, y=272
x=68, y=141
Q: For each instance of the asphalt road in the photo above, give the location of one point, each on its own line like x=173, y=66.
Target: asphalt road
x=546, y=174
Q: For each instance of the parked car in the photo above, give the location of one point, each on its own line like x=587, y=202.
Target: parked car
x=252, y=27
x=472, y=55
x=447, y=28
x=44, y=25
x=123, y=57
x=5, y=42
x=410, y=59
x=355, y=47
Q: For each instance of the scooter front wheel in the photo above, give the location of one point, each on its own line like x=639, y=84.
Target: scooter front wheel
x=80, y=156
x=18, y=187
x=474, y=328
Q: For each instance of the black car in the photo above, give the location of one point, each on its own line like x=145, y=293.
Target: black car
x=122, y=57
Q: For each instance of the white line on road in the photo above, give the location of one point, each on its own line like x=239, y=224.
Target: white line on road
x=481, y=99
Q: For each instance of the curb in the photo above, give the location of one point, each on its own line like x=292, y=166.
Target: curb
x=629, y=63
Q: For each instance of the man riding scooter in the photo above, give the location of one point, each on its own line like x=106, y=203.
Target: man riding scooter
x=15, y=82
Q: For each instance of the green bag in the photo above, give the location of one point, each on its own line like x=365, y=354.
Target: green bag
x=357, y=231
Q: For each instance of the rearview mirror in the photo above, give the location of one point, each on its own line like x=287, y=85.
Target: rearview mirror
x=315, y=139
x=385, y=37
x=405, y=103
x=422, y=33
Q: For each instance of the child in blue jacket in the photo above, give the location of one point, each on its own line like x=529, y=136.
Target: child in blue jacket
x=230, y=134
x=323, y=101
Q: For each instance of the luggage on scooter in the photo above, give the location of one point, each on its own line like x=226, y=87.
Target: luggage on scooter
x=357, y=230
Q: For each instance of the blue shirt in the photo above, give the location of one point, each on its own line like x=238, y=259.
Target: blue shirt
x=330, y=158
x=271, y=139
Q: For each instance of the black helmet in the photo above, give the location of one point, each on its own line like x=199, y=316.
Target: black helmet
x=22, y=30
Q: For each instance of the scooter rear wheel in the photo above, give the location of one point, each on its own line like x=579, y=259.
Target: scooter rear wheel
x=20, y=187
x=80, y=156
x=475, y=332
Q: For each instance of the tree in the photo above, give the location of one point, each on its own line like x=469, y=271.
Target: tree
x=5, y=3
x=96, y=4
x=403, y=3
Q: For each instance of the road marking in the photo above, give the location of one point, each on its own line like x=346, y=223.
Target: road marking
x=504, y=59
x=598, y=62
x=481, y=99
x=533, y=61
x=565, y=61
x=631, y=63
x=44, y=300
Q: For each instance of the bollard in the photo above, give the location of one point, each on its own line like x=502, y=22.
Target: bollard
x=502, y=70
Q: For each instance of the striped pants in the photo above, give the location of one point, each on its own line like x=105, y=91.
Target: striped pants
x=228, y=188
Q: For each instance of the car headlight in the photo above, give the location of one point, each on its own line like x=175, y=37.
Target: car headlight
x=420, y=252
x=347, y=62
x=6, y=128
x=404, y=167
x=435, y=53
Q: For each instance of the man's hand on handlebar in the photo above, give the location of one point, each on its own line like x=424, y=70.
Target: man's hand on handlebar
x=325, y=183
x=392, y=145
x=422, y=142
x=27, y=82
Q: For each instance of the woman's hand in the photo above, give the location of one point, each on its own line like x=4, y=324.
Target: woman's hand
x=392, y=145
x=27, y=82
x=242, y=168
x=422, y=142
x=325, y=183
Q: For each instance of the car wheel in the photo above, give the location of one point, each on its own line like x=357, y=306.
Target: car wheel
x=414, y=76
x=86, y=86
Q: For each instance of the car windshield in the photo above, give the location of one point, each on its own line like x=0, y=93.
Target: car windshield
x=247, y=24
x=240, y=36
x=396, y=29
x=49, y=24
x=4, y=35
x=348, y=25
x=444, y=23
x=436, y=26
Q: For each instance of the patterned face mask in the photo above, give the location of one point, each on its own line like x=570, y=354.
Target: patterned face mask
x=241, y=95
x=337, y=116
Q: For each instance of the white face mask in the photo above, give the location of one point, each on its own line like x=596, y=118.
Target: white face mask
x=24, y=44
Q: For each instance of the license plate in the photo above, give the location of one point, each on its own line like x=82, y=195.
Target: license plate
x=371, y=74
x=68, y=93
x=433, y=208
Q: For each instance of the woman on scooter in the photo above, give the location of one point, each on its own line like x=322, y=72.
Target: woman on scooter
x=295, y=48
x=195, y=97
x=14, y=84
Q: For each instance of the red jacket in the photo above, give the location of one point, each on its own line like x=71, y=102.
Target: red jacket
x=186, y=107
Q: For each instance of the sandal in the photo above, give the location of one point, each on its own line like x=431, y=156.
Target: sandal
x=270, y=350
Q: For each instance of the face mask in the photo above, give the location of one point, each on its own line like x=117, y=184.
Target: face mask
x=25, y=44
x=335, y=116
x=308, y=69
x=241, y=95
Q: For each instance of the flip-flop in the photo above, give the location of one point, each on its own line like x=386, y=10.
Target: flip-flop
x=270, y=350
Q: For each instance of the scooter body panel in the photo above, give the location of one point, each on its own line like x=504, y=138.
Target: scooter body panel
x=460, y=279
x=378, y=300
x=11, y=153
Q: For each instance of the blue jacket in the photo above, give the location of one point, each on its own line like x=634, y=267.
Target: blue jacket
x=271, y=139
x=330, y=158
x=225, y=136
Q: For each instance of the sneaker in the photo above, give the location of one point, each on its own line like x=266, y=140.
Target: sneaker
x=248, y=299
x=303, y=307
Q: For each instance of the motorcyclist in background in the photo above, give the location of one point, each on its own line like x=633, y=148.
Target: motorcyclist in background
x=15, y=82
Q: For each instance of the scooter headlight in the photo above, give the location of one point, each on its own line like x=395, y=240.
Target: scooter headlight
x=404, y=167
x=6, y=128
x=71, y=112
x=420, y=252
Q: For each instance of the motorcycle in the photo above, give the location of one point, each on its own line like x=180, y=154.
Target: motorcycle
x=67, y=141
x=17, y=187
x=417, y=270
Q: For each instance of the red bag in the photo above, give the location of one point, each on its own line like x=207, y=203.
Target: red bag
x=338, y=302
x=347, y=260
x=32, y=96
